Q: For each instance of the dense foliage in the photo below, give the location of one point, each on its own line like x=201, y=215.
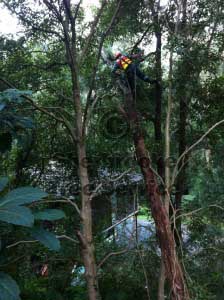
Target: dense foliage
x=37, y=150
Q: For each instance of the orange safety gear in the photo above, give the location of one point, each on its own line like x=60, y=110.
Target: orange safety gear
x=124, y=62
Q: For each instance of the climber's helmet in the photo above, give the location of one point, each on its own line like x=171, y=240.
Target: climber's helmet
x=118, y=54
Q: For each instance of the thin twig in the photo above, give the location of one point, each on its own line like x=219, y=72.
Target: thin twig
x=157, y=174
x=121, y=221
x=93, y=29
x=109, y=255
x=73, y=204
x=191, y=148
x=21, y=242
x=93, y=77
x=142, y=37
x=45, y=111
x=92, y=106
x=95, y=192
x=13, y=261
x=32, y=102
x=120, y=176
x=199, y=209
x=65, y=200
x=144, y=271
x=64, y=236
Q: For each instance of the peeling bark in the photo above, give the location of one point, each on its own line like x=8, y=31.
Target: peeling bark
x=173, y=268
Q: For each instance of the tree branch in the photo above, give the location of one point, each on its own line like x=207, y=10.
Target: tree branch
x=142, y=37
x=121, y=221
x=91, y=108
x=67, y=238
x=109, y=255
x=77, y=9
x=65, y=200
x=21, y=242
x=43, y=110
x=93, y=77
x=120, y=176
x=191, y=148
x=197, y=210
x=90, y=36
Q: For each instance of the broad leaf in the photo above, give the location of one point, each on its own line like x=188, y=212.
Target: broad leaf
x=24, y=122
x=2, y=106
x=22, y=195
x=189, y=197
x=49, y=214
x=47, y=238
x=3, y=182
x=14, y=95
x=9, y=289
x=17, y=215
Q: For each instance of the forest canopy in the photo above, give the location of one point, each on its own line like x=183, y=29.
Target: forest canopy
x=111, y=146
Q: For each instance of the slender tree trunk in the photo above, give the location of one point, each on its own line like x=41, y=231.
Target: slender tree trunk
x=162, y=278
x=158, y=103
x=182, y=143
x=158, y=133
x=158, y=122
x=87, y=246
x=85, y=235
x=181, y=179
x=166, y=240
x=158, y=89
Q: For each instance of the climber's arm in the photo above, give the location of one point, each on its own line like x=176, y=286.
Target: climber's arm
x=116, y=71
x=151, y=81
x=138, y=57
x=144, y=77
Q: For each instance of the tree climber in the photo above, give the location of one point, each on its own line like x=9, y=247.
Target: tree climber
x=126, y=67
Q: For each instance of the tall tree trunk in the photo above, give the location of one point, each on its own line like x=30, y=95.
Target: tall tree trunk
x=158, y=132
x=181, y=179
x=85, y=235
x=166, y=240
x=158, y=102
x=162, y=278
x=158, y=120
x=182, y=143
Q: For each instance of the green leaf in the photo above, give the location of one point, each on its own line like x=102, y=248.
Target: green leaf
x=14, y=95
x=17, y=215
x=188, y=197
x=22, y=195
x=3, y=183
x=47, y=238
x=2, y=106
x=23, y=122
x=9, y=289
x=49, y=214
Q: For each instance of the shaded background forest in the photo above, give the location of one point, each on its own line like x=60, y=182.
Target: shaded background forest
x=37, y=145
